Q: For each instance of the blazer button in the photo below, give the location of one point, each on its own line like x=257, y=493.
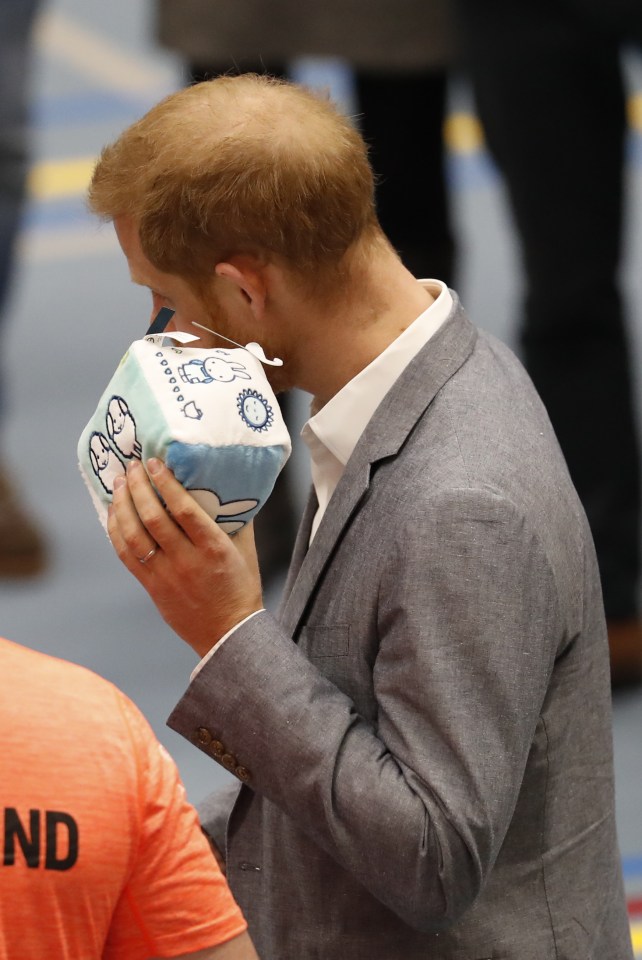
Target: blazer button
x=229, y=761
x=202, y=736
x=242, y=773
x=217, y=749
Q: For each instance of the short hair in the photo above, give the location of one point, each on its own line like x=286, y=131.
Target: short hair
x=240, y=164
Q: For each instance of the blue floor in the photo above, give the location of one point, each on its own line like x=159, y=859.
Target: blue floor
x=74, y=312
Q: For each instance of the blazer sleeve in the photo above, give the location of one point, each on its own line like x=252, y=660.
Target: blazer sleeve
x=417, y=804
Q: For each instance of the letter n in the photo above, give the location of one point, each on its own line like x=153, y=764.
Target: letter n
x=52, y=860
x=14, y=830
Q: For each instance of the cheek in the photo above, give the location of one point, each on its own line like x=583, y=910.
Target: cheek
x=187, y=311
x=178, y=323
x=182, y=320
x=207, y=341
x=279, y=379
x=157, y=303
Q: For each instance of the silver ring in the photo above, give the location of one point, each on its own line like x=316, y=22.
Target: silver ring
x=148, y=556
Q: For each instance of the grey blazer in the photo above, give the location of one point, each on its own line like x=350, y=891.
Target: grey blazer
x=424, y=731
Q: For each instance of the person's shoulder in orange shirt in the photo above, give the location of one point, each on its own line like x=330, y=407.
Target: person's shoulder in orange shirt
x=103, y=857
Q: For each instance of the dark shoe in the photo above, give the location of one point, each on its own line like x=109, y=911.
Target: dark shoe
x=22, y=551
x=625, y=649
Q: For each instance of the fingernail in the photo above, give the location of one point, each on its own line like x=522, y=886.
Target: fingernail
x=154, y=466
x=133, y=465
x=118, y=483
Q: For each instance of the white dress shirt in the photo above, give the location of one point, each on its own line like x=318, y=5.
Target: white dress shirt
x=332, y=434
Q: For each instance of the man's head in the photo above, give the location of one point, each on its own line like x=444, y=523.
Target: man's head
x=246, y=205
x=241, y=165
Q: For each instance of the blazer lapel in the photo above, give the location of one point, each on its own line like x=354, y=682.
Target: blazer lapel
x=308, y=564
x=398, y=413
x=300, y=545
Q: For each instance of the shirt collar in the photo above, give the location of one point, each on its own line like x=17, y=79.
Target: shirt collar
x=340, y=423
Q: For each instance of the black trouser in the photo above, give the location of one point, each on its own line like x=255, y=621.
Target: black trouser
x=550, y=96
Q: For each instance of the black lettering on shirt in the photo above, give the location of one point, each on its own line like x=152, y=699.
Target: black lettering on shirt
x=55, y=819
x=29, y=843
x=60, y=836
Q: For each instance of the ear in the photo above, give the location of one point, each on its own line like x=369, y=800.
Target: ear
x=247, y=275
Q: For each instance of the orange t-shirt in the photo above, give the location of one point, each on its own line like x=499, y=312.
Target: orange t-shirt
x=103, y=856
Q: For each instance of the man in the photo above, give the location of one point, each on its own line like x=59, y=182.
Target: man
x=399, y=55
x=423, y=732
x=102, y=854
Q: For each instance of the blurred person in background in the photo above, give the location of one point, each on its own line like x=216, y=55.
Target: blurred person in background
x=400, y=54
x=549, y=88
x=103, y=856
x=22, y=551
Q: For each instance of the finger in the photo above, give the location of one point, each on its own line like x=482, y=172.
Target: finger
x=246, y=546
x=113, y=530
x=128, y=535
x=123, y=551
x=145, y=511
x=196, y=523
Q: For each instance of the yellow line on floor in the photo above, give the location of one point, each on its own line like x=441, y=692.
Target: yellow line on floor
x=634, y=112
x=99, y=60
x=57, y=179
x=463, y=133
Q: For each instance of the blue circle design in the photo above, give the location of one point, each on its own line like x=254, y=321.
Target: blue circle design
x=255, y=410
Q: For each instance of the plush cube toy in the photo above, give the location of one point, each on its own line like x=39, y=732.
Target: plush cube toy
x=210, y=415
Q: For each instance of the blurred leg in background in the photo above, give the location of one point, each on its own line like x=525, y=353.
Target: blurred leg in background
x=408, y=154
x=21, y=544
x=550, y=95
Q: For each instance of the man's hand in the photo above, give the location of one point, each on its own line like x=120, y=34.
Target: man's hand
x=202, y=581
x=239, y=948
